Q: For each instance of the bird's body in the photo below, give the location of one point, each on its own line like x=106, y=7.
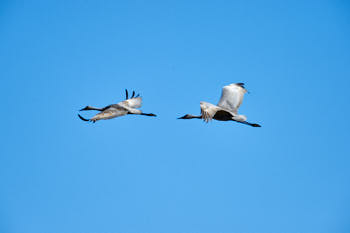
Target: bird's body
x=128, y=106
x=227, y=108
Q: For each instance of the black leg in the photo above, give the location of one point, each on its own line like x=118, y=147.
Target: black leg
x=251, y=124
x=82, y=118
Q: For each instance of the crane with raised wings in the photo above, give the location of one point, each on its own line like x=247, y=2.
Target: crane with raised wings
x=226, y=109
x=128, y=106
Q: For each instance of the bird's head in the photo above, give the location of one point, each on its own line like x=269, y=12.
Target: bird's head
x=184, y=117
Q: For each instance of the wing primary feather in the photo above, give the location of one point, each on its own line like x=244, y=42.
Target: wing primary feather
x=126, y=94
x=242, y=85
x=133, y=94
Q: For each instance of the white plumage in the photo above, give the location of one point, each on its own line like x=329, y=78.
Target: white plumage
x=227, y=108
x=232, y=97
x=128, y=106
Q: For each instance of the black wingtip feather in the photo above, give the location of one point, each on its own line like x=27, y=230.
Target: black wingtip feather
x=126, y=94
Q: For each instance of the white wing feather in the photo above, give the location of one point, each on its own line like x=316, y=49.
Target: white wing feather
x=110, y=113
x=208, y=111
x=132, y=103
x=232, y=97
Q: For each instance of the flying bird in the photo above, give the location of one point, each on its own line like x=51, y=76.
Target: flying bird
x=128, y=106
x=227, y=108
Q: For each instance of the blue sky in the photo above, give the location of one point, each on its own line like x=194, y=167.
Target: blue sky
x=139, y=174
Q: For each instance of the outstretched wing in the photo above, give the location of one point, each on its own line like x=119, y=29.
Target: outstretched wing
x=208, y=111
x=232, y=96
x=135, y=102
x=111, y=112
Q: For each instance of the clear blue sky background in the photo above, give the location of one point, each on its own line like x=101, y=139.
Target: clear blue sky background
x=139, y=174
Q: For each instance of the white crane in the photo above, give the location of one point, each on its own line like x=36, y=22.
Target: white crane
x=128, y=106
x=227, y=108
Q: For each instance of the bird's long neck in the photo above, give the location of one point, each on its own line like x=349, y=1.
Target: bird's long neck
x=189, y=116
x=148, y=114
x=195, y=117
